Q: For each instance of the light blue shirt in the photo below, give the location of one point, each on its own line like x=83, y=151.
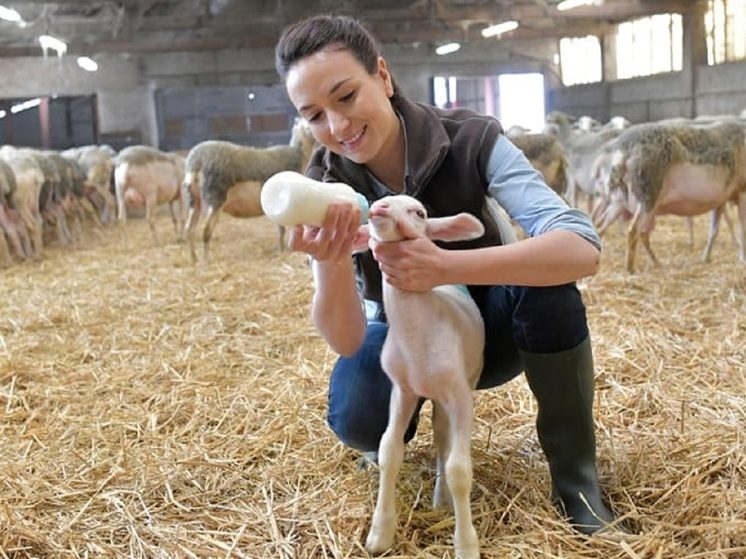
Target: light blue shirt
x=521, y=191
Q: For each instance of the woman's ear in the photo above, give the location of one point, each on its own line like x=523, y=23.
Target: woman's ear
x=385, y=75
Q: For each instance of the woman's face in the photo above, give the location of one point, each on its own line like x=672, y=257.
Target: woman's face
x=347, y=108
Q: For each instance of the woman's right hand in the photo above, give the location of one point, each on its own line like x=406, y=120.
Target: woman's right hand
x=334, y=239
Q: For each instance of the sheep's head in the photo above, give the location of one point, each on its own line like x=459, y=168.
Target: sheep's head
x=397, y=218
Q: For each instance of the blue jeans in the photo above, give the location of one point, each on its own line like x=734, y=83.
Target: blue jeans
x=534, y=319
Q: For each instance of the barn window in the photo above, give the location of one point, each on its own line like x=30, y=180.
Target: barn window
x=649, y=45
x=444, y=91
x=580, y=60
x=725, y=25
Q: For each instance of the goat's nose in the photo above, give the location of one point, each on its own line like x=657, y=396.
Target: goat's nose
x=378, y=209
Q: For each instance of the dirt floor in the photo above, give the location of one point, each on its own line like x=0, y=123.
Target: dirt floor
x=153, y=408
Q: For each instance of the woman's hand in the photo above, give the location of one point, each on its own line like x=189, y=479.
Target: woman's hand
x=334, y=239
x=414, y=265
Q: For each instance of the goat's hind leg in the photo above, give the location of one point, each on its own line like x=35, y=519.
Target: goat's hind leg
x=441, y=436
x=460, y=410
x=390, y=455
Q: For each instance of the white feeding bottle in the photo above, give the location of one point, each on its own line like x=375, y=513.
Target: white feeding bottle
x=289, y=198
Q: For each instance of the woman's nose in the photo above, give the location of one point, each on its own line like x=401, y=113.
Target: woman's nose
x=337, y=124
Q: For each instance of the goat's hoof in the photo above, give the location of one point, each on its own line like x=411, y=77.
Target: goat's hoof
x=367, y=460
x=468, y=551
x=442, y=497
x=467, y=544
x=379, y=541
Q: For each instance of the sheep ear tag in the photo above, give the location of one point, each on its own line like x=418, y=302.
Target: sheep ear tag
x=460, y=227
x=360, y=243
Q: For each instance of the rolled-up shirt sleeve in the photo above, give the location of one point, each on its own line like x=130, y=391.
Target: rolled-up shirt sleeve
x=521, y=191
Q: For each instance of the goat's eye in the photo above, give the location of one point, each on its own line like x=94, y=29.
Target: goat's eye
x=420, y=214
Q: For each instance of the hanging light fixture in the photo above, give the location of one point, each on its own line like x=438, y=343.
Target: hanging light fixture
x=25, y=105
x=447, y=48
x=499, y=28
x=87, y=63
x=572, y=4
x=9, y=14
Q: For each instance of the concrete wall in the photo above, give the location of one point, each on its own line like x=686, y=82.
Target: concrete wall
x=721, y=89
x=125, y=102
x=126, y=86
x=715, y=90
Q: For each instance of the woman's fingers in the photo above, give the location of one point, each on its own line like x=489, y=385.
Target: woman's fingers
x=334, y=239
x=409, y=265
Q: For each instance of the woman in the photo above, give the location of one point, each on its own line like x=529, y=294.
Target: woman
x=374, y=139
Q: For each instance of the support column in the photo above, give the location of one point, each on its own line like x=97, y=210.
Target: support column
x=694, y=48
x=44, y=123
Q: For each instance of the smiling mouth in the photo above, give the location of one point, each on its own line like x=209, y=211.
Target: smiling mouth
x=354, y=140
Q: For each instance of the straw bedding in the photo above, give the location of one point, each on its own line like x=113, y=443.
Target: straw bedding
x=150, y=408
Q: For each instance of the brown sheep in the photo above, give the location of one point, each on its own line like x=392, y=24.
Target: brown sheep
x=228, y=178
x=681, y=170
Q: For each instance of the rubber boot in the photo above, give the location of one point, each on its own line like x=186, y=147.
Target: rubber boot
x=563, y=386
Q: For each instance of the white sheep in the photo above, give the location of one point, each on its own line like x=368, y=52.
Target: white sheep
x=145, y=175
x=434, y=349
x=228, y=178
x=27, y=196
x=582, y=147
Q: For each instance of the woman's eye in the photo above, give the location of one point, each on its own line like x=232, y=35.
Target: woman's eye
x=313, y=117
x=347, y=97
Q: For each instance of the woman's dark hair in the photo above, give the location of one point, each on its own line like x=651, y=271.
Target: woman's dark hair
x=308, y=36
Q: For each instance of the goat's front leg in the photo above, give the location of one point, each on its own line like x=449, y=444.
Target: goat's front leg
x=460, y=410
x=441, y=434
x=390, y=456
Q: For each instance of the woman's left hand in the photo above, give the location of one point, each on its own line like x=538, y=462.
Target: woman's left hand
x=413, y=265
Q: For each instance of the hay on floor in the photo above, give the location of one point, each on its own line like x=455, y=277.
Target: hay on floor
x=151, y=408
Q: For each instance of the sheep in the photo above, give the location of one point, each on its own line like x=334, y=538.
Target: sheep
x=546, y=154
x=228, y=177
x=27, y=196
x=618, y=123
x=98, y=163
x=433, y=349
x=53, y=194
x=586, y=123
x=10, y=223
x=143, y=174
x=69, y=189
x=582, y=149
x=602, y=166
x=682, y=170
x=7, y=185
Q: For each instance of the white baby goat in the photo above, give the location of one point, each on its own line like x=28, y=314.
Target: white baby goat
x=434, y=349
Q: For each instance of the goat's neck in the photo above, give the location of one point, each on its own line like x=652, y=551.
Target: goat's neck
x=408, y=309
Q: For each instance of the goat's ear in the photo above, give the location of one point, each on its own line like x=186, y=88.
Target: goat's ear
x=460, y=227
x=360, y=243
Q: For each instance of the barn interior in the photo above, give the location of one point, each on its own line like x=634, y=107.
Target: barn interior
x=157, y=403
x=171, y=73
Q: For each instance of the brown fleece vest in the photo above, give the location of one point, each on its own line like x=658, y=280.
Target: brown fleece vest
x=447, y=154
